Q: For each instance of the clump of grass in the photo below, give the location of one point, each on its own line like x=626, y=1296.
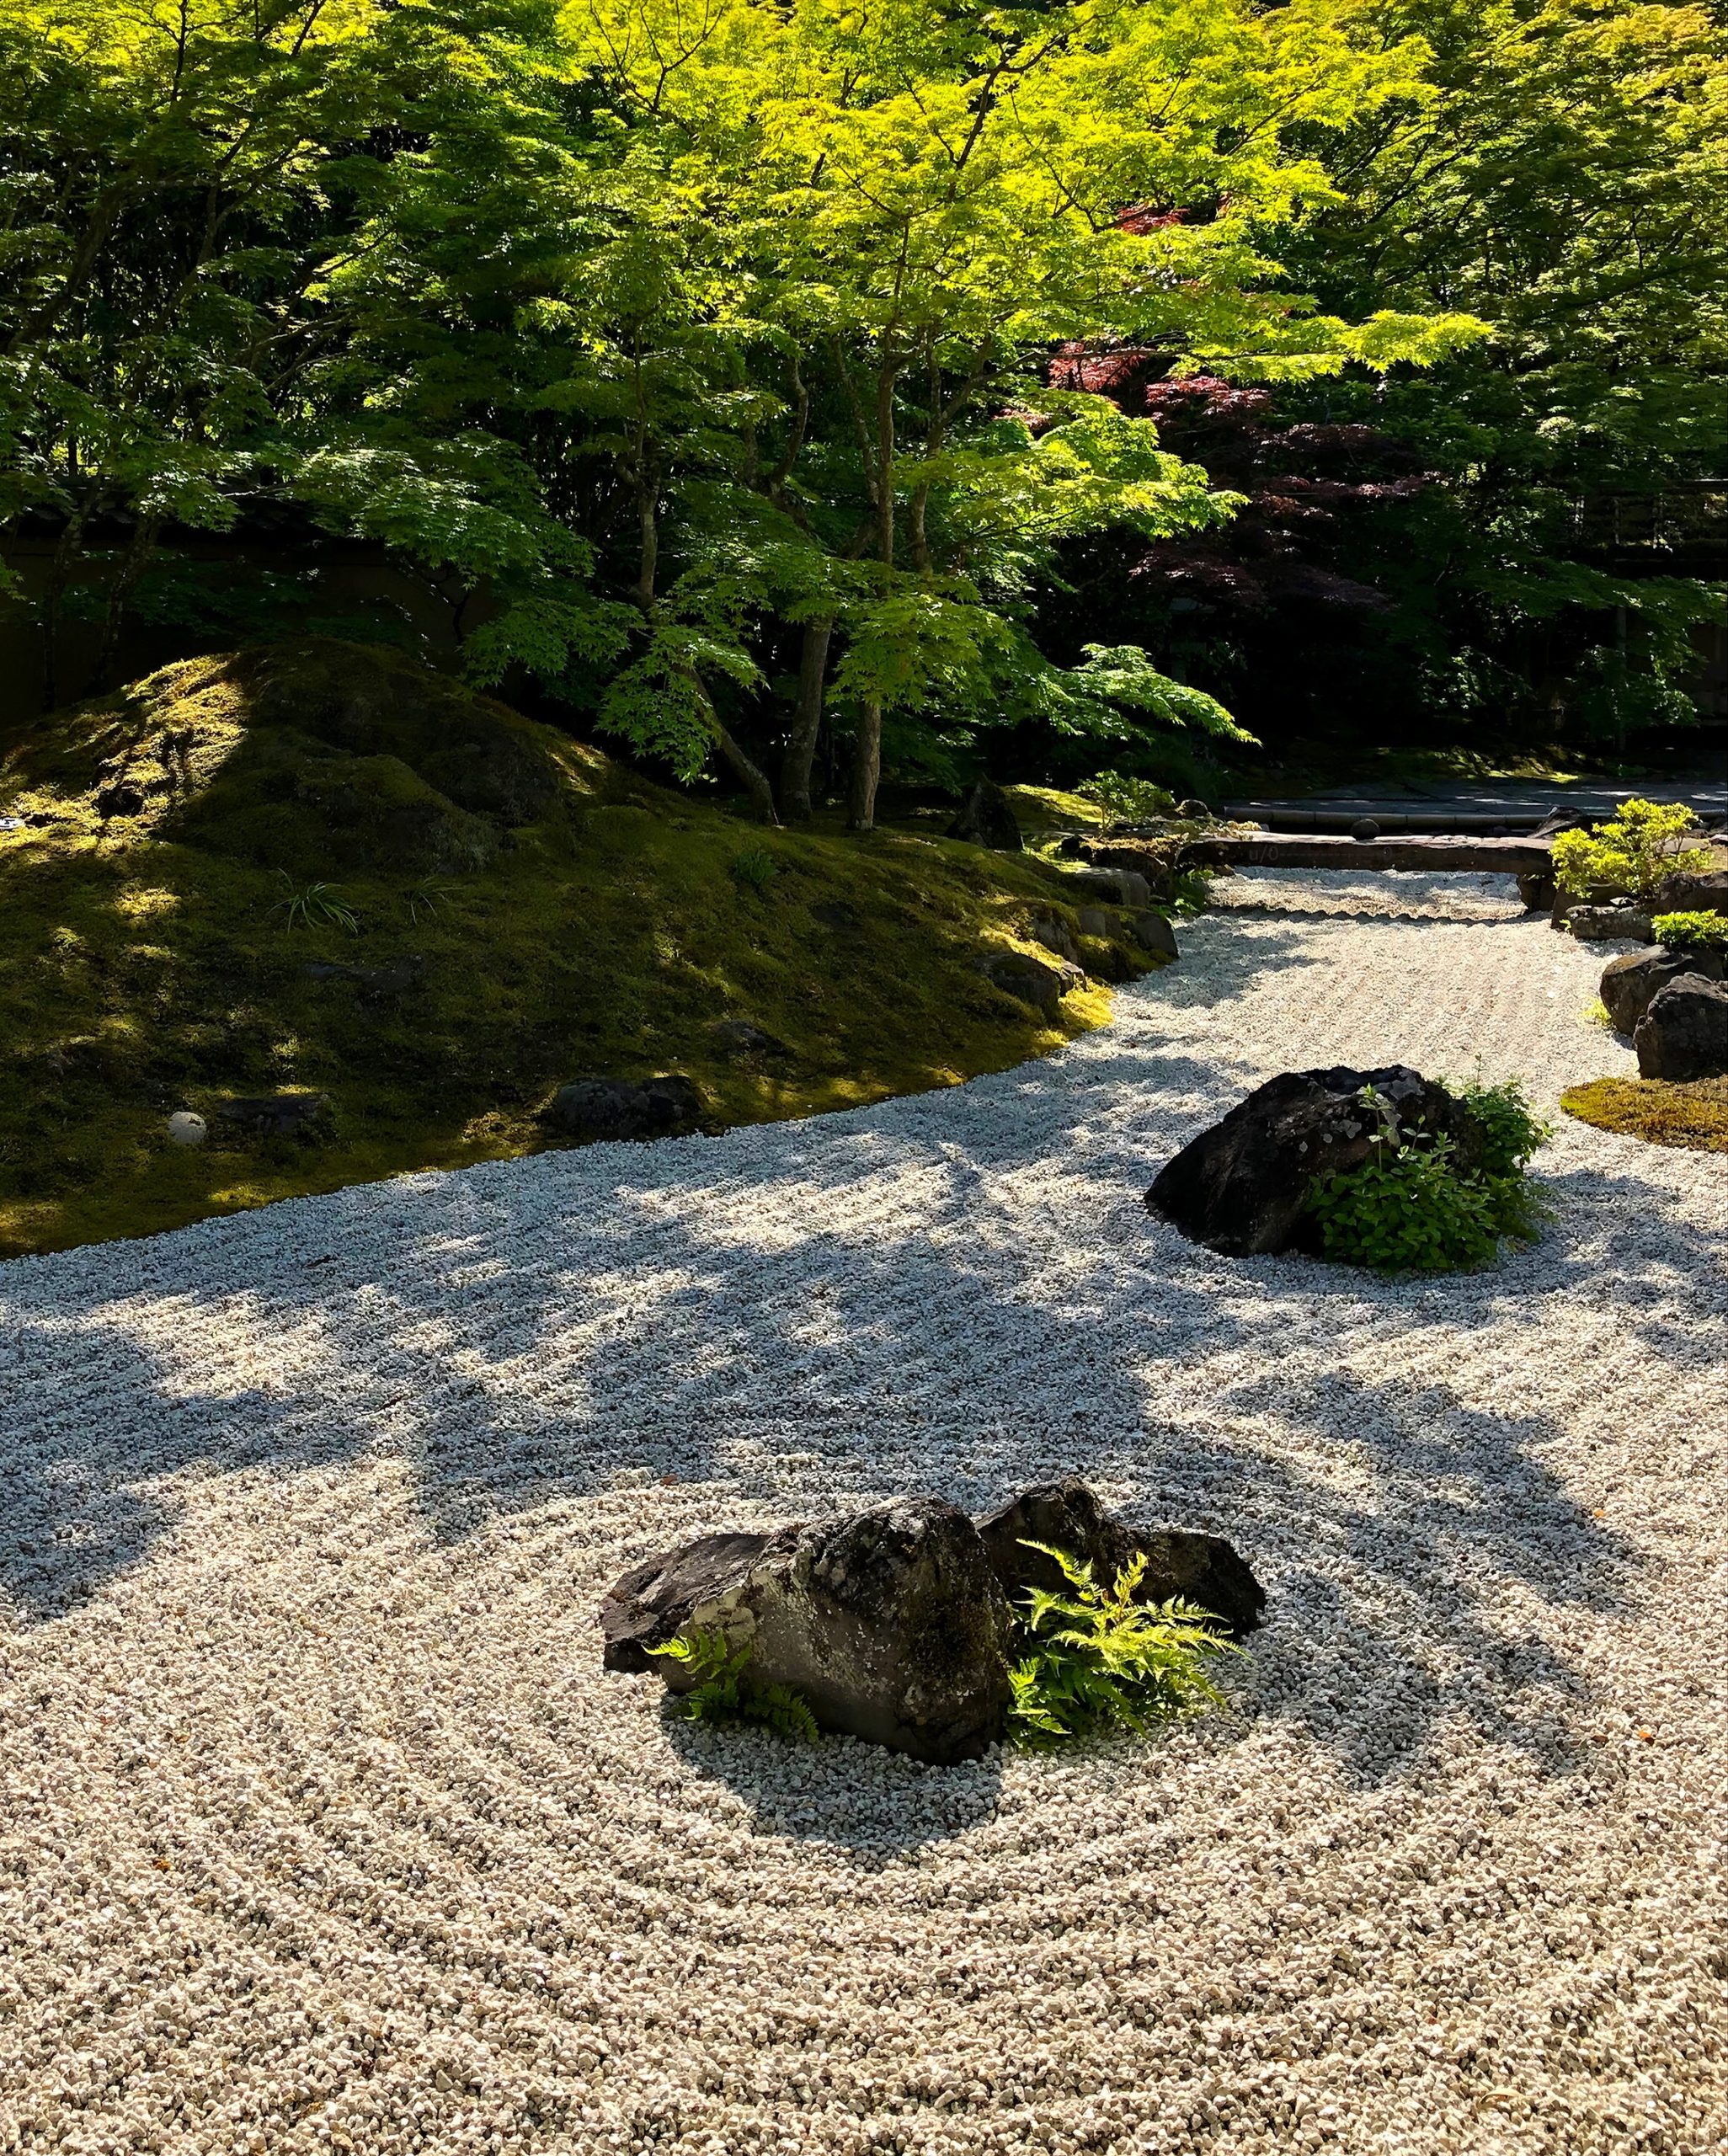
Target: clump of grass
x=319, y=906
x=755, y=868
x=1661, y=1111
x=426, y=901
x=1099, y=1660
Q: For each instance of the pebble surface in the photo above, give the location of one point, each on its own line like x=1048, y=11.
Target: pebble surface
x=321, y=1828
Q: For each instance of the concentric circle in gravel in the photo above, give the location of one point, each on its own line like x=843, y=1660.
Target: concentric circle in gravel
x=320, y=1826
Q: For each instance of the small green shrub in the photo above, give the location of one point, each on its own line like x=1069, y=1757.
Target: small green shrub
x=1511, y=1131
x=1409, y=1208
x=1691, y=931
x=754, y=869
x=1131, y=800
x=1097, y=1660
x=1646, y=841
x=725, y=1691
x=317, y=906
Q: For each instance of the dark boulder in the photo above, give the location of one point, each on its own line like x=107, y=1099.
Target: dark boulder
x=1202, y=1569
x=1536, y=890
x=1630, y=981
x=276, y=1115
x=1019, y=974
x=601, y=1108
x=1153, y=933
x=1241, y=1187
x=890, y=1623
x=1704, y=891
x=1683, y=1034
x=986, y=817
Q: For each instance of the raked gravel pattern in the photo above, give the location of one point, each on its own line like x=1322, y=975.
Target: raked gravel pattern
x=321, y=1828
x=1394, y=893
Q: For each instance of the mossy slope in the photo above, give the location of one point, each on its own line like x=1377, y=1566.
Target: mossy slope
x=527, y=912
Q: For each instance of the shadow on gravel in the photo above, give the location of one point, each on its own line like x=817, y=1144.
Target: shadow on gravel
x=838, y=1794
x=894, y=1309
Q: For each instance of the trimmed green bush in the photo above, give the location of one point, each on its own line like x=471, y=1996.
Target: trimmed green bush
x=1690, y=932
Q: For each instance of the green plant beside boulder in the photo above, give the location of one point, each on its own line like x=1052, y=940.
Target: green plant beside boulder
x=1691, y=931
x=1644, y=843
x=1413, y=1207
x=1095, y=1660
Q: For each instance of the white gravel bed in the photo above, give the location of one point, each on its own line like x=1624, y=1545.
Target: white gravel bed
x=1392, y=893
x=321, y=1828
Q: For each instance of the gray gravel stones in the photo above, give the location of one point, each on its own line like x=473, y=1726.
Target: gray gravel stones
x=321, y=1828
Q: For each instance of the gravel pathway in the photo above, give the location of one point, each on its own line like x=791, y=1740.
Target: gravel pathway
x=321, y=1828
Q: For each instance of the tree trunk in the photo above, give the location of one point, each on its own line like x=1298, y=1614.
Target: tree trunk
x=866, y=768
x=807, y=722
x=133, y=563
x=753, y=778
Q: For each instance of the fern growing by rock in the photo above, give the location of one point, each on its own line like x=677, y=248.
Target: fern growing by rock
x=723, y=1691
x=1098, y=1660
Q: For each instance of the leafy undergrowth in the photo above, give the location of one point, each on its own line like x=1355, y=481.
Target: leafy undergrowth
x=1694, y=1116
x=521, y=911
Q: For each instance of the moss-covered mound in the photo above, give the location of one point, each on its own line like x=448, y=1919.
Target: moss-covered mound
x=175, y=910
x=1694, y=1115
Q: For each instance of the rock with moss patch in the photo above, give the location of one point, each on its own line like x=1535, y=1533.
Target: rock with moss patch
x=1019, y=974
x=890, y=1623
x=1684, y=1032
x=598, y=1109
x=1056, y=936
x=1629, y=924
x=1152, y=932
x=1242, y=1187
x=738, y=1038
x=1181, y=1565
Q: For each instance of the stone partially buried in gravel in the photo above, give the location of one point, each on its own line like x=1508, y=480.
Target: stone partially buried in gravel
x=1202, y=1569
x=1241, y=1187
x=595, y=1109
x=890, y=1623
x=1684, y=1032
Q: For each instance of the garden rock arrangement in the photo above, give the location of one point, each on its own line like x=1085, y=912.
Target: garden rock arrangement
x=1242, y=1188
x=1630, y=982
x=594, y=1109
x=896, y=1625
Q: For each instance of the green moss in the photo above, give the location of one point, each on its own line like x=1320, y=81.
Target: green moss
x=1665, y=1113
x=571, y=920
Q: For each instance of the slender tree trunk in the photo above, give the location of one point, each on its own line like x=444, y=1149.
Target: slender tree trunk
x=133, y=564
x=750, y=775
x=867, y=767
x=806, y=720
